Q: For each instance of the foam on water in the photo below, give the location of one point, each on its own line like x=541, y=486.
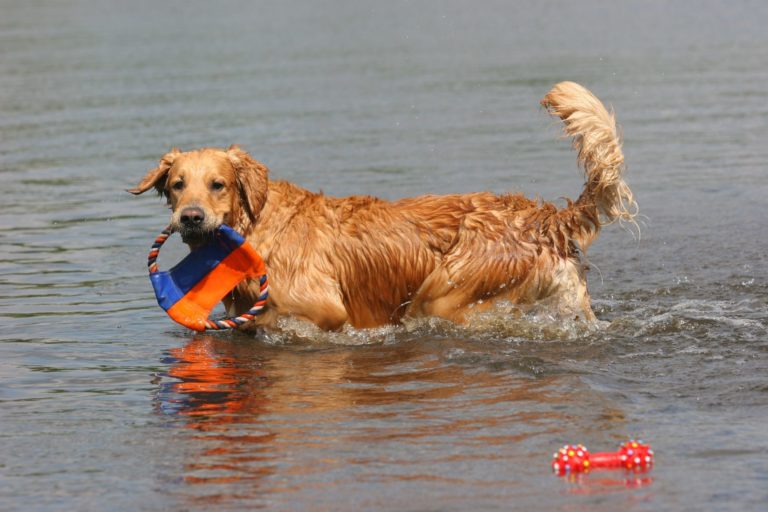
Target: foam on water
x=490, y=325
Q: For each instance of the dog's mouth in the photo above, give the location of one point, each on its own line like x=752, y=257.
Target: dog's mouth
x=196, y=235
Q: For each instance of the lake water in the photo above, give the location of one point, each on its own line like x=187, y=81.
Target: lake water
x=108, y=405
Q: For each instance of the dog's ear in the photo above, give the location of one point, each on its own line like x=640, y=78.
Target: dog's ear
x=157, y=176
x=252, y=181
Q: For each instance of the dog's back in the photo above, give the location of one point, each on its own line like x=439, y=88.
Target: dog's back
x=451, y=256
x=515, y=250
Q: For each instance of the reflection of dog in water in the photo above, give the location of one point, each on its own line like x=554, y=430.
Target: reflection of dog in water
x=248, y=405
x=216, y=382
x=366, y=262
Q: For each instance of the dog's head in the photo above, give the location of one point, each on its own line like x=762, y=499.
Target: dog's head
x=209, y=187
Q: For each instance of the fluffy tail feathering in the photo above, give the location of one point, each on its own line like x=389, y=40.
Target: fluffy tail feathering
x=597, y=142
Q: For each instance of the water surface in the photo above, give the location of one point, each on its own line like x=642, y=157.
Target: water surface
x=108, y=405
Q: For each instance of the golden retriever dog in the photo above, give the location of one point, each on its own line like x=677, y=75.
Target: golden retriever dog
x=365, y=262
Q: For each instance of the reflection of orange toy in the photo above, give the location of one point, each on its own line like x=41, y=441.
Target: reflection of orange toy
x=576, y=458
x=209, y=384
x=217, y=397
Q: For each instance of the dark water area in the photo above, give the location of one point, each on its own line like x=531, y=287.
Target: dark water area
x=105, y=404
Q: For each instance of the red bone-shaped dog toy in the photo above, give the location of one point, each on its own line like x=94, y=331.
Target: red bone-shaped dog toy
x=576, y=459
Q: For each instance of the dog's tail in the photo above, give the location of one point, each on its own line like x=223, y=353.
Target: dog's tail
x=606, y=197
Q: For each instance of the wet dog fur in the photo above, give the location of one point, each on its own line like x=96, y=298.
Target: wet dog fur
x=366, y=262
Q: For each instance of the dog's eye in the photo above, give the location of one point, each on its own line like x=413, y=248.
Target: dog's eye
x=178, y=185
x=217, y=185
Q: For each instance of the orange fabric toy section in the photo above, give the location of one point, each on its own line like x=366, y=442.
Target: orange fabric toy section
x=193, y=308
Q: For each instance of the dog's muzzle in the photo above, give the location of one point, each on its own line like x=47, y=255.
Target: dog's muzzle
x=193, y=225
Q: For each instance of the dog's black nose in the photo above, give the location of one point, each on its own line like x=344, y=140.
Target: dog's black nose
x=192, y=216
